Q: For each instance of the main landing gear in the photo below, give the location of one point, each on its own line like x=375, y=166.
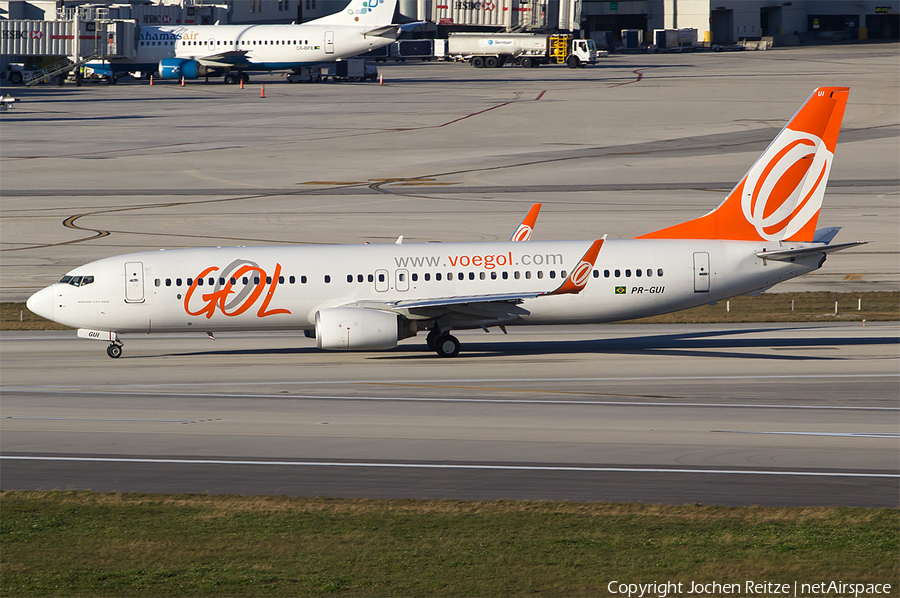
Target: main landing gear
x=114, y=349
x=444, y=344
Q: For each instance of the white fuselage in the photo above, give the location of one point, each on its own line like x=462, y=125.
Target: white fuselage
x=282, y=288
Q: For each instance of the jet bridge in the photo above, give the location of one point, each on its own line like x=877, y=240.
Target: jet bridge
x=85, y=36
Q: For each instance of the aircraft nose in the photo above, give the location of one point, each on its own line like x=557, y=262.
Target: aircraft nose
x=41, y=303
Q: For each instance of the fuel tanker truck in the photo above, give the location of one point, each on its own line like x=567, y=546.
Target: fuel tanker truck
x=525, y=49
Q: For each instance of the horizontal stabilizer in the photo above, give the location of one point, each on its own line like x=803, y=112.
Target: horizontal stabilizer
x=386, y=31
x=787, y=255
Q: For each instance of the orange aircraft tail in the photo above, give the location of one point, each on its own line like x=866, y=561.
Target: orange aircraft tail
x=780, y=196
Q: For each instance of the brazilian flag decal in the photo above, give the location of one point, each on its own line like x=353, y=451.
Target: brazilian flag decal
x=620, y=290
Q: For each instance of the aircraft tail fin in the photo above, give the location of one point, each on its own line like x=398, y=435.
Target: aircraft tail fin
x=362, y=12
x=780, y=196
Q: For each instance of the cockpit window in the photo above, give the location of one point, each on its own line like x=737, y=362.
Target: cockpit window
x=77, y=281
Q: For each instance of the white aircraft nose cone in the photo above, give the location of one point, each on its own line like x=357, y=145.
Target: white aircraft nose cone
x=41, y=303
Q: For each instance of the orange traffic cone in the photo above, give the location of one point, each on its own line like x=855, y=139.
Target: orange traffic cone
x=242, y=83
x=262, y=91
x=380, y=78
x=182, y=81
x=151, y=79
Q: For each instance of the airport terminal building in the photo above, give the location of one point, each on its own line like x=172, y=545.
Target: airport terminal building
x=716, y=21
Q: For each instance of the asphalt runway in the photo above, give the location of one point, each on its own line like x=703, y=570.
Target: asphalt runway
x=769, y=415
x=773, y=415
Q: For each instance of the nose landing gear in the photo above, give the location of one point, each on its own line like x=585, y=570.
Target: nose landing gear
x=114, y=350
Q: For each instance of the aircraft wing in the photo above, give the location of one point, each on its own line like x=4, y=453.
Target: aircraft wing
x=225, y=59
x=502, y=305
x=787, y=255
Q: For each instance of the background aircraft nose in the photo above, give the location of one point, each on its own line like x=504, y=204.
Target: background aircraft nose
x=41, y=303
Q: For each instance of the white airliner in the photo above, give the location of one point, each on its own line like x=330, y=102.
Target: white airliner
x=368, y=297
x=193, y=51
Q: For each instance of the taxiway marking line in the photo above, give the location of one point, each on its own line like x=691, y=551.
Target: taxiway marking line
x=585, y=469
x=891, y=435
x=444, y=400
x=551, y=392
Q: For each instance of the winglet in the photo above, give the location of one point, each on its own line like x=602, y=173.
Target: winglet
x=523, y=233
x=581, y=273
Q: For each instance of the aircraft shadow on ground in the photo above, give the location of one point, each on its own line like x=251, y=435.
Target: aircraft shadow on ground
x=686, y=344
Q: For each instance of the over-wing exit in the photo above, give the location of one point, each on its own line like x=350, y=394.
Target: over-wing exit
x=369, y=297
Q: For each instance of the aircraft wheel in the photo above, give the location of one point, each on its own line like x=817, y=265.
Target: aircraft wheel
x=231, y=78
x=572, y=62
x=478, y=62
x=245, y=78
x=114, y=351
x=446, y=346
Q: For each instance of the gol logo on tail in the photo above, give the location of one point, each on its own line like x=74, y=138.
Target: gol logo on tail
x=221, y=296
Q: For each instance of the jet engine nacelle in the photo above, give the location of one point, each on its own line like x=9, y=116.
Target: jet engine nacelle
x=176, y=68
x=356, y=328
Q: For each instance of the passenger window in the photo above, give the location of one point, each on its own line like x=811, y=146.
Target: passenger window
x=177, y=282
x=212, y=281
x=256, y=280
x=415, y=277
x=199, y=282
x=401, y=277
x=281, y=280
x=190, y=281
x=327, y=278
x=527, y=274
x=427, y=276
x=460, y=276
x=493, y=276
x=627, y=273
x=618, y=273
x=381, y=278
x=659, y=272
x=302, y=280
x=540, y=273
x=233, y=280
x=349, y=278
x=471, y=276
x=268, y=280
x=606, y=274
x=505, y=275
x=158, y=282
x=168, y=282
x=359, y=278
x=437, y=276
x=649, y=271
x=292, y=280
x=516, y=275
x=371, y=278
x=562, y=274
x=637, y=272
x=482, y=275
x=244, y=280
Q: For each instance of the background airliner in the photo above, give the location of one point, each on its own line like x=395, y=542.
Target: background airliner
x=193, y=51
x=368, y=297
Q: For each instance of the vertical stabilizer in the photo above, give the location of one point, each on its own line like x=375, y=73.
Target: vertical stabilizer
x=780, y=196
x=371, y=13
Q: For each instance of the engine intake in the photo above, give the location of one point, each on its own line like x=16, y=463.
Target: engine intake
x=356, y=329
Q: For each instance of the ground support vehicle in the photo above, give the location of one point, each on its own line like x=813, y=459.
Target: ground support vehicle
x=354, y=69
x=525, y=49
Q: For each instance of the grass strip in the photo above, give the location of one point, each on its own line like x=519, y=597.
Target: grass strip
x=83, y=543
x=768, y=307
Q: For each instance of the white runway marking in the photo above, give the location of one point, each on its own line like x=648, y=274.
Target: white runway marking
x=473, y=381
x=892, y=435
x=103, y=419
x=480, y=401
x=829, y=474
